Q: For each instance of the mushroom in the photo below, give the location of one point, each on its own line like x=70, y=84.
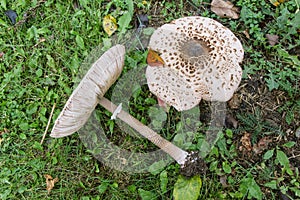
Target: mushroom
x=201, y=61
x=90, y=91
x=82, y=102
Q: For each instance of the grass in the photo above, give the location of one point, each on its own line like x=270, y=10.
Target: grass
x=40, y=64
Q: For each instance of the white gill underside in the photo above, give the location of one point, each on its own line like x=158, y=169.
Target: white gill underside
x=103, y=73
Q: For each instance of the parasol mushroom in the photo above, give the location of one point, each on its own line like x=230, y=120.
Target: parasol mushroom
x=103, y=73
x=201, y=61
x=90, y=92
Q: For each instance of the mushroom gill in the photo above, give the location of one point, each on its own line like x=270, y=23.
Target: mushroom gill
x=202, y=54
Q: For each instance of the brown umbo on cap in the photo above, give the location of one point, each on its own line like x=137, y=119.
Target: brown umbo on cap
x=201, y=62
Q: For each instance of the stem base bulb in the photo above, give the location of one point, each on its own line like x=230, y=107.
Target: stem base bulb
x=193, y=165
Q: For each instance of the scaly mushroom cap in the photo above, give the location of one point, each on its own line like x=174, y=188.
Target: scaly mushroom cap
x=201, y=61
x=103, y=73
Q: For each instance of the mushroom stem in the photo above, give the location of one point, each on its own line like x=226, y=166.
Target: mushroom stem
x=175, y=152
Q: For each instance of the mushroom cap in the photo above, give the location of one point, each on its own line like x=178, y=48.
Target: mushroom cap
x=199, y=53
x=103, y=73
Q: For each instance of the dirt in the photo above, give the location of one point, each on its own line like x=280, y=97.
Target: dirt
x=193, y=165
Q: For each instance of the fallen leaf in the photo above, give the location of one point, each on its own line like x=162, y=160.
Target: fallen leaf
x=154, y=60
x=234, y=102
x=187, y=188
x=276, y=2
x=50, y=182
x=231, y=122
x=223, y=181
x=12, y=15
x=246, y=142
x=142, y=21
x=224, y=9
x=163, y=105
x=261, y=145
x=109, y=24
x=246, y=34
x=272, y=39
x=41, y=40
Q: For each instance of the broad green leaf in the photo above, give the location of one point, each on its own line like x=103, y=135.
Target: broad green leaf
x=50, y=61
x=3, y=4
x=103, y=187
x=157, y=114
x=3, y=23
x=124, y=22
x=229, y=133
x=23, y=136
x=187, y=188
x=289, y=144
x=213, y=166
x=131, y=188
x=157, y=167
x=295, y=23
x=296, y=191
x=289, y=117
x=148, y=31
x=79, y=41
x=24, y=126
x=226, y=167
x=272, y=184
x=31, y=33
x=163, y=181
x=37, y=146
x=179, y=139
x=204, y=147
x=268, y=154
x=282, y=158
x=39, y=72
x=271, y=82
x=254, y=190
x=130, y=6
x=284, y=161
x=146, y=195
x=249, y=185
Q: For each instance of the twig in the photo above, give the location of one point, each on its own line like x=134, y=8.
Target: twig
x=49, y=120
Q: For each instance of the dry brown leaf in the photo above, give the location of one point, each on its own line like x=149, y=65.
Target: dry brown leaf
x=234, y=102
x=276, y=2
x=223, y=181
x=261, y=145
x=246, y=142
x=231, y=122
x=5, y=130
x=109, y=24
x=224, y=9
x=246, y=34
x=50, y=182
x=272, y=39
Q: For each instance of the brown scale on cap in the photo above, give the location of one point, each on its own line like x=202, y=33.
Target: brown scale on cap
x=201, y=62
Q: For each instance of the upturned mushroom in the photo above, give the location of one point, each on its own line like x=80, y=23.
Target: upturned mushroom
x=82, y=102
x=201, y=61
x=90, y=91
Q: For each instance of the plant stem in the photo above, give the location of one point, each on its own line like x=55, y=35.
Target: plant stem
x=175, y=152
